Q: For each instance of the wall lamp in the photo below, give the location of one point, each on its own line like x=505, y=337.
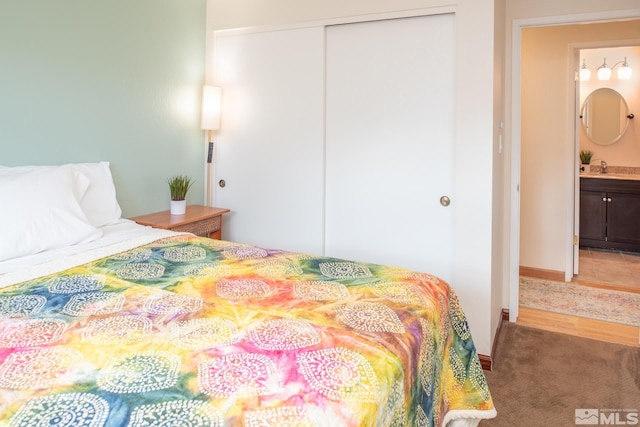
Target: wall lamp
x=604, y=71
x=210, y=121
x=211, y=99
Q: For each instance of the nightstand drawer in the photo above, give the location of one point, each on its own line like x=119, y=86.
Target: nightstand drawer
x=203, y=227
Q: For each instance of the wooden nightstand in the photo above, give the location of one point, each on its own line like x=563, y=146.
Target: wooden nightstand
x=200, y=220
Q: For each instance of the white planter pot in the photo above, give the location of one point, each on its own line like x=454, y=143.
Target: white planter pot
x=178, y=207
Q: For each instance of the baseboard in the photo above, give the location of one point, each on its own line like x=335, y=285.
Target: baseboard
x=487, y=361
x=541, y=273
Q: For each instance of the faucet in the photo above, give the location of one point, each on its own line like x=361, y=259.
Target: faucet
x=603, y=166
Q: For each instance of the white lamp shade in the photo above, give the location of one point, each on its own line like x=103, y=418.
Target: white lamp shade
x=211, y=98
x=604, y=73
x=585, y=74
x=624, y=72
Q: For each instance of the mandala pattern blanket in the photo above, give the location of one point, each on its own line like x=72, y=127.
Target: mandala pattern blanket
x=189, y=331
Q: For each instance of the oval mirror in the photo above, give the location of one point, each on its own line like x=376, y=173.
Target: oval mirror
x=604, y=116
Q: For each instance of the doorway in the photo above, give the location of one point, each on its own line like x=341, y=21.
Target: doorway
x=557, y=161
x=612, y=142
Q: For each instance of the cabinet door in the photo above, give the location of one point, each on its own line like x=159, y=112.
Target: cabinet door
x=623, y=218
x=593, y=216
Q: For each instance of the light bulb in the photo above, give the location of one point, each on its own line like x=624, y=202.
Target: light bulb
x=604, y=72
x=624, y=72
x=585, y=73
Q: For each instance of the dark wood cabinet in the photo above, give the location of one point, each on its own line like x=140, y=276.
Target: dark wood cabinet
x=623, y=218
x=593, y=216
x=610, y=213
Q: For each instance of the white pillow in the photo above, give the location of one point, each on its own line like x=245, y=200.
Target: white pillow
x=99, y=202
x=41, y=211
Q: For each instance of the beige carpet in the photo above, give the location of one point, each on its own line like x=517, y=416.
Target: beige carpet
x=543, y=378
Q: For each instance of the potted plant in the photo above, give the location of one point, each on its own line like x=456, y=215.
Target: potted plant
x=178, y=187
x=585, y=159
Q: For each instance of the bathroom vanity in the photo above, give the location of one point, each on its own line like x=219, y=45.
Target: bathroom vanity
x=610, y=212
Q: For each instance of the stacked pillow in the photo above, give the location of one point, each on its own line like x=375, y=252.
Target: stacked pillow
x=48, y=207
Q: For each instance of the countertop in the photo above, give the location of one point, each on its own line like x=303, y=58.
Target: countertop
x=610, y=176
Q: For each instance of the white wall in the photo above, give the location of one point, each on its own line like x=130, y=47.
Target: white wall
x=473, y=278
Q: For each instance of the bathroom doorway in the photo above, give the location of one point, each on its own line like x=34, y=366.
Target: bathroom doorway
x=615, y=149
x=542, y=229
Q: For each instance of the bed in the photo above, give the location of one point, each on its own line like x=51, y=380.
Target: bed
x=104, y=322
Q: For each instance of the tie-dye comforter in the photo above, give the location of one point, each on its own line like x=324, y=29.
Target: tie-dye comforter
x=189, y=331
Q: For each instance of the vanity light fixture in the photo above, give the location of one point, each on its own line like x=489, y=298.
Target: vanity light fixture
x=624, y=72
x=604, y=71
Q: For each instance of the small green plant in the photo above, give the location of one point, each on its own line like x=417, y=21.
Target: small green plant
x=178, y=186
x=585, y=156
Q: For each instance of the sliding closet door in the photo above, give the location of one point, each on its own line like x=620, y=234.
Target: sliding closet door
x=389, y=142
x=269, y=151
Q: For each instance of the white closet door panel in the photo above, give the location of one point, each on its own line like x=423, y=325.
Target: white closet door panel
x=270, y=148
x=389, y=142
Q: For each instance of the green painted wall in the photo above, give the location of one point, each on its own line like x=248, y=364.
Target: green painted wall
x=116, y=80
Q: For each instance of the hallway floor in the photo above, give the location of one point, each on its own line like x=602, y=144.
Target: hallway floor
x=601, y=269
x=610, y=269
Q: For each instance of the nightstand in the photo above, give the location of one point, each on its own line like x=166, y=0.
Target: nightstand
x=200, y=220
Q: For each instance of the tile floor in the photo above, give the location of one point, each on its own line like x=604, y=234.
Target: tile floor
x=621, y=269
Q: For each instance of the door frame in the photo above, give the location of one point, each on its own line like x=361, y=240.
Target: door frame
x=516, y=132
